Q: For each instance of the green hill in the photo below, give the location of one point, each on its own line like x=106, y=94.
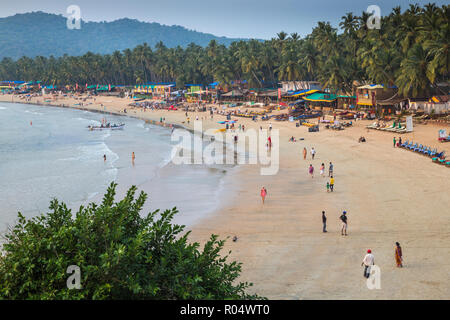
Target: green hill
x=42, y=34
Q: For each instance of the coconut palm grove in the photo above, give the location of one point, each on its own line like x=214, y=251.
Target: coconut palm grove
x=410, y=51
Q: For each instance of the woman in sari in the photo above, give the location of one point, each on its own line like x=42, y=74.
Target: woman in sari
x=398, y=255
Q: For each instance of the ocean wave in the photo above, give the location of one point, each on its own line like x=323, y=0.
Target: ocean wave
x=90, y=120
x=2, y=108
x=34, y=112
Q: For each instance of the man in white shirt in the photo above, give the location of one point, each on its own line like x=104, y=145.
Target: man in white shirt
x=368, y=261
x=313, y=152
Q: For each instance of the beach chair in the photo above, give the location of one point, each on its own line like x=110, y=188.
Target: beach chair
x=421, y=148
x=447, y=164
x=412, y=147
x=404, y=144
x=433, y=152
x=425, y=150
x=417, y=148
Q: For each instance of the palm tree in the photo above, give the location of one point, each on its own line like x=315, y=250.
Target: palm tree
x=414, y=77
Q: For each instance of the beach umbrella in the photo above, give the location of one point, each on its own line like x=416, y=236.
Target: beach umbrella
x=221, y=122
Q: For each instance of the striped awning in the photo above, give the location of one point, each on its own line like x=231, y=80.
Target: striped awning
x=303, y=92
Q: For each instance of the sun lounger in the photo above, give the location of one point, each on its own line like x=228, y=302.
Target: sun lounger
x=433, y=153
x=421, y=149
x=404, y=144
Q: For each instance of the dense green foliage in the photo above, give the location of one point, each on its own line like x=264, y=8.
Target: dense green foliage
x=42, y=34
x=121, y=256
x=411, y=51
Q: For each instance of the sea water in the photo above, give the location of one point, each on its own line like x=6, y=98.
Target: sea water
x=48, y=152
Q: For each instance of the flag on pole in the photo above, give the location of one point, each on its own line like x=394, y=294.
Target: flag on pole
x=109, y=87
x=86, y=85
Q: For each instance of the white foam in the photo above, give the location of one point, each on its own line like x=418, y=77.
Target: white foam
x=34, y=112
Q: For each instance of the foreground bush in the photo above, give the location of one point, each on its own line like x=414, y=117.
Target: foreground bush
x=121, y=255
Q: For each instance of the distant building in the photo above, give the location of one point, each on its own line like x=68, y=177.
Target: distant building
x=436, y=104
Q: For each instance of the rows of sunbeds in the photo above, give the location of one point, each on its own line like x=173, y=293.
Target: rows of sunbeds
x=396, y=127
x=437, y=157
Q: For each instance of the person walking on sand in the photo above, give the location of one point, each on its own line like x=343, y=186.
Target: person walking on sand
x=311, y=170
x=343, y=218
x=398, y=255
x=304, y=153
x=330, y=169
x=394, y=142
x=313, y=153
x=322, y=169
x=331, y=184
x=324, y=222
x=263, y=194
x=368, y=262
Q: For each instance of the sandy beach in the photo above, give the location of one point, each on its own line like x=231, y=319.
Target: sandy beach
x=389, y=194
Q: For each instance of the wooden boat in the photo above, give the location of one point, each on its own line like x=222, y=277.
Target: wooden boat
x=108, y=126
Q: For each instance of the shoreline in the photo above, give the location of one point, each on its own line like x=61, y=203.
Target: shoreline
x=122, y=181
x=390, y=195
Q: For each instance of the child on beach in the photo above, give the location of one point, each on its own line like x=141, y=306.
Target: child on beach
x=311, y=170
x=328, y=186
x=263, y=194
x=322, y=168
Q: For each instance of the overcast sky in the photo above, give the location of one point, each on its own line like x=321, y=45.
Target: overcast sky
x=231, y=18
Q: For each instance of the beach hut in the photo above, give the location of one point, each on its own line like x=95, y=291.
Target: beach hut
x=368, y=95
x=435, y=104
x=321, y=101
x=346, y=101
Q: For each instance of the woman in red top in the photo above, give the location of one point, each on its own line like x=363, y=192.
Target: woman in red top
x=263, y=194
